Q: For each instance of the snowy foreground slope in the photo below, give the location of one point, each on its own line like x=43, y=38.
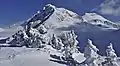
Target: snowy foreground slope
x=63, y=38
x=25, y=57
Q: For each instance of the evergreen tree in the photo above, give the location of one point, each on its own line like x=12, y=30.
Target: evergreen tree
x=90, y=54
x=56, y=43
x=69, y=39
x=111, y=56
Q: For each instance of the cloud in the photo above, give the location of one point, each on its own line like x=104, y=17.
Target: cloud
x=109, y=7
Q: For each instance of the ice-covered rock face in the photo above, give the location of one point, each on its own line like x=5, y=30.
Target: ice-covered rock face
x=41, y=16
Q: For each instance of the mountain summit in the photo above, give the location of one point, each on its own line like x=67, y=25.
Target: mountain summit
x=54, y=16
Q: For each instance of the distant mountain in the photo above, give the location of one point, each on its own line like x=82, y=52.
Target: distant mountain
x=100, y=21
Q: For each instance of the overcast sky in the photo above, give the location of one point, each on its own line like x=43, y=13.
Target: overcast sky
x=12, y=11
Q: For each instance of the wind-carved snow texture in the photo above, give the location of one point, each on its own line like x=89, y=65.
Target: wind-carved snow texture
x=57, y=32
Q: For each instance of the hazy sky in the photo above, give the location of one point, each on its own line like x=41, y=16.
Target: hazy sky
x=12, y=11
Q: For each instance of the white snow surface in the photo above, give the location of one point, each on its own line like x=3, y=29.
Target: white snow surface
x=25, y=57
x=30, y=57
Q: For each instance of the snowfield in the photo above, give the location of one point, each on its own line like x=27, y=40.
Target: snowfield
x=13, y=56
x=25, y=57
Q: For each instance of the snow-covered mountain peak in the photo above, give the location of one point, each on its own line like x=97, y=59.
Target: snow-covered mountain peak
x=59, y=10
x=49, y=6
x=61, y=14
x=66, y=15
x=53, y=16
x=96, y=19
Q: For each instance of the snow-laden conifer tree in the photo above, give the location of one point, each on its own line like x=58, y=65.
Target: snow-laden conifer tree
x=70, y=47
x=69, y=40
x=111, y=56
x=90, y=53
x=56, y=42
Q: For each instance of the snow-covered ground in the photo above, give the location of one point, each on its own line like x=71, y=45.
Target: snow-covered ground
x=14, y=56
x=25, y=57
